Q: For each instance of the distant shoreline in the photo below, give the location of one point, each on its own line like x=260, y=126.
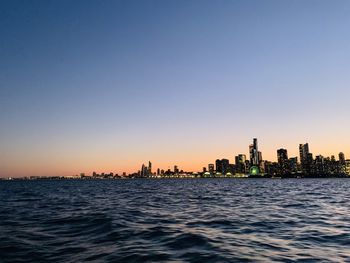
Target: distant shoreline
x=167, y=178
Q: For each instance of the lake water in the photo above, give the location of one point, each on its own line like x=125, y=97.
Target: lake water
x=175, y=220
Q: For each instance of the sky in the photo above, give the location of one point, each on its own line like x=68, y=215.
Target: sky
x=108, y=85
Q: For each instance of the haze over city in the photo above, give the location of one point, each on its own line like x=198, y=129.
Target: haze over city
x=106, y=86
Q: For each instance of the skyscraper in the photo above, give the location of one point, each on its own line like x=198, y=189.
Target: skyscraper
x=240, y=161
x=211, y=168
x=218, y=166
x=319, y=165
x=176, y=169
x=255, y=155
x=341, y=158
x=222, y=166
x=225, y=166
x=293, y=164
x=305, y=158
x=149, y=168
x=283, y=162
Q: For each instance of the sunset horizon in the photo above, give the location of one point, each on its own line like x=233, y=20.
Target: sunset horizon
x=107, y=87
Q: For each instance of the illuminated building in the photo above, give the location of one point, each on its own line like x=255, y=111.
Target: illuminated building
x=254, y=153
x=347, y=167
x=293, y=165
x=211, y=168
x=240, y=161
x=283, y=162
x=306, y=158
x=222, y=166
x=255, y=156
x=319, y=165
x=218, y=166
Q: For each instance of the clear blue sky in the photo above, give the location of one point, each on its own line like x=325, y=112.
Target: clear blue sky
x=107, y=85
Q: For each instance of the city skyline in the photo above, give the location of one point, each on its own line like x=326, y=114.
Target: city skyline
x=306, y=163
x=105, y=87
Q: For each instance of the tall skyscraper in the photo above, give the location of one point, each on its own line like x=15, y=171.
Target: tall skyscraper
x=341, y=158
x=143, y=171
x=305, y=158
x=149, y=168
x=255, y=155
x=283, y=162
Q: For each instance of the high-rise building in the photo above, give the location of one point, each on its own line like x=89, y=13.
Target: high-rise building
x=255, y=155
x=225, y=166
x=176, y=169
x=283, y=162
x=218, y=166
x=146, y=171
x=211, y=168
x=149, y=168
x=222, y=166
x=143, y=170
x=305, y=158
x=253, y=151
x=293, y=164
x=240, y=161
x=341, y=158
x=319, y=165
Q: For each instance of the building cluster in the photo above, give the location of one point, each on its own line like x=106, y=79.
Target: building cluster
x=255, y=166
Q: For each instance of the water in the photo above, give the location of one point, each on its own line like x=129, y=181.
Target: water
x=213, y=220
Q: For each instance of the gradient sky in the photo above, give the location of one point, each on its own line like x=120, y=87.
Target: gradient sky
x=108, y=85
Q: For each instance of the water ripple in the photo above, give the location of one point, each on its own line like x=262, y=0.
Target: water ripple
x=206, y=220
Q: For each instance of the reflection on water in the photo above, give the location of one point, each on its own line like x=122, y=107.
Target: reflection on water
x=215, y=220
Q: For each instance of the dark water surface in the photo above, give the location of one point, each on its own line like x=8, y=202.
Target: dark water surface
x=213, y=220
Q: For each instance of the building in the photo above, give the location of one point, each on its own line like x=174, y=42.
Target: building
x=293, y=165
x=254, y=153
x=222, y=166
x=240, y=161
x=146, y=171
x=283, y=161
x=319, y=165
x=218, y=166
x=306, y=158
x=211, y=168
x=149, y=168
x=271, y=168
x=347, y=167
x=341, y=158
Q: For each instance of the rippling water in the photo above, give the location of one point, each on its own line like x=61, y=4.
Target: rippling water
x=214, y=220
